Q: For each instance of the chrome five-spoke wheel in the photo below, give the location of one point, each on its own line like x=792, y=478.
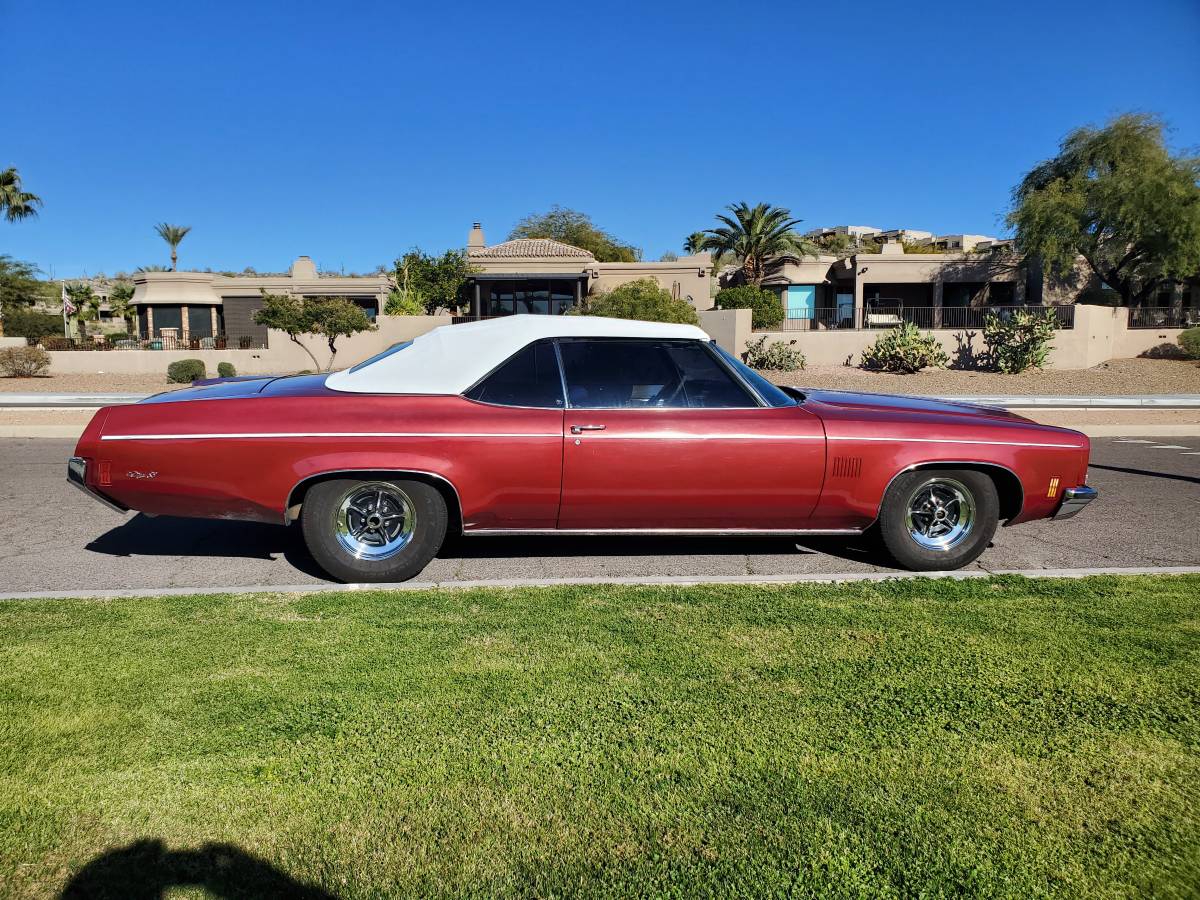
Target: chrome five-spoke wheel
x=938, y=520
x=940, y=513
x=375, y=520
x=373, y=529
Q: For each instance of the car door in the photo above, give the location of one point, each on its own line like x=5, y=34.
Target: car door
x=663, y=435
x=513, y=465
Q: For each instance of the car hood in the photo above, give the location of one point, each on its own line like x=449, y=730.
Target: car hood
x=899, y=403
x=244, y=387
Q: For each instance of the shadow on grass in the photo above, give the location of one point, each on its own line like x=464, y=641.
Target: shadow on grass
x=147, y=870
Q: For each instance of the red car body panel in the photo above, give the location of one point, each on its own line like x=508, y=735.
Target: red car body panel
x=692, y=468
x=239, y=450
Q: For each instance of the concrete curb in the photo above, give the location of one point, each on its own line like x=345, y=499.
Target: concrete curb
x=1131, y=401
x=650, y=581
x=60, y=401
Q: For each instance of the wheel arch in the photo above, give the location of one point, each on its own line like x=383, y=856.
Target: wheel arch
x=441, y=483
x=1009, y=489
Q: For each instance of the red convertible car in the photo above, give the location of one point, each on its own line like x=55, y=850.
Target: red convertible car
x=575, y=425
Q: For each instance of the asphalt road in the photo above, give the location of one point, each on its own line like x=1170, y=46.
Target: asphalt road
x=54, y=538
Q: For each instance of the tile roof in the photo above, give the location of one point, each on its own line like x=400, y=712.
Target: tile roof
x=528, y=248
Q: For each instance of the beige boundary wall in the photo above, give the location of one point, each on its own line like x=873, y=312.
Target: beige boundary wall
x=1100, y=334
x=282, y=355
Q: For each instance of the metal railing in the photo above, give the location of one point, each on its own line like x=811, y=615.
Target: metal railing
x=114, y=342
x=953, y=318
x=1163, y=317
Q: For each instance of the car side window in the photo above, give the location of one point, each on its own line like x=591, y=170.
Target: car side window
x=634, y=374
x=529, y=377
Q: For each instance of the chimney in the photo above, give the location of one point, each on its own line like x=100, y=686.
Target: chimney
x=475, y=239
x=304, y=268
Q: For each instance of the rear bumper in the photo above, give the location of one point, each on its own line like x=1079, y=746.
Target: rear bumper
x=77, y=475
x=1075, y=499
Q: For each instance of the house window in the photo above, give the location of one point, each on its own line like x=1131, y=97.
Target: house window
x=552, y=296
x=199, y=322
x=168, y=317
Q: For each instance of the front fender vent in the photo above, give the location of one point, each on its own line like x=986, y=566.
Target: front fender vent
x=847, y=466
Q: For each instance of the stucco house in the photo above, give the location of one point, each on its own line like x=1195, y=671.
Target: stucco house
x=548, y=277
x=207, y=310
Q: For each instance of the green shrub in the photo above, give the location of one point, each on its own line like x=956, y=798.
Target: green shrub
x=780, y=356
x=404, y=303
x=226, y=370
x=1189, y=340
x=644, y=299
x=904, y=349
x=766, y=308
x=1020, y=340
x=31, y=324
x=24, y=362
x=185, y=371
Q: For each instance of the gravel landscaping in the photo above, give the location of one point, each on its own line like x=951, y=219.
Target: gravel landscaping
x=1119, y=376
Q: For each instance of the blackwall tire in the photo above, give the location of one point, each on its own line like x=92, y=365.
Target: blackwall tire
x=939, y=519
x=373, y=529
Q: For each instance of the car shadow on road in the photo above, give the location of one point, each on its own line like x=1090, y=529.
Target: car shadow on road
x=1173, y=476
x=168, y=536
x=144, y=535
x=863, y=549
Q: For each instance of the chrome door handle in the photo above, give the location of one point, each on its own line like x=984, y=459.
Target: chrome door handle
x=580, y=429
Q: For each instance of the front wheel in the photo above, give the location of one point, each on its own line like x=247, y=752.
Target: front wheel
x=373, y=530
x=935, y=520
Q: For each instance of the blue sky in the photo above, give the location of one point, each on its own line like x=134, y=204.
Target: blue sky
x=352, y=131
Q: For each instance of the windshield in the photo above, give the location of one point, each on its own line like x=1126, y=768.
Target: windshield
x=771, y=394
x=395, y=348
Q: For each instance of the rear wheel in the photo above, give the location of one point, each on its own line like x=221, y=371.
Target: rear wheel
x=935, y=520
x=373, y=530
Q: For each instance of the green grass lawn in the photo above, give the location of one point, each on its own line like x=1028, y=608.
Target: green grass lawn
x=920, y=738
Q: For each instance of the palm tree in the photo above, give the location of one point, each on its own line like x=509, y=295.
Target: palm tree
x=754, y=234
x=119, y=296
x=694, y=243
x=173, y=234
x=16, y=203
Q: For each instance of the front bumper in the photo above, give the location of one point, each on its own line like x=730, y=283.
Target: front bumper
x=1075, y=499
x=77, y=475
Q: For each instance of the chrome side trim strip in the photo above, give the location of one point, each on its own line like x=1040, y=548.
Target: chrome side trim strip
x=325, y=434
x=706, y=532
x=917, y=440
x=656, y=436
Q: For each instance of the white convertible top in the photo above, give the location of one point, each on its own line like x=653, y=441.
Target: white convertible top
x=451, y=358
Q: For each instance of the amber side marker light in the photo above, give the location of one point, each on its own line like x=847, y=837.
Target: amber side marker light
x=1053, y=491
